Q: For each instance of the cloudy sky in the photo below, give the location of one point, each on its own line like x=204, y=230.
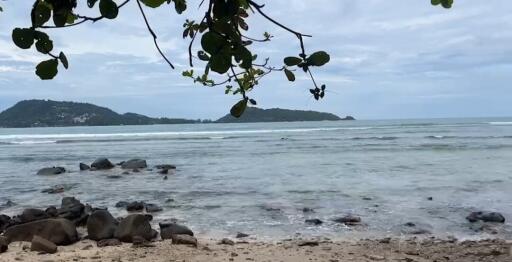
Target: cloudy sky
x=390, y=59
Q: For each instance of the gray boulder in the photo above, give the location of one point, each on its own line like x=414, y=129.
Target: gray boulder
x=84, y=167
x=184, y=240
x=134, y=164
x=167, y=230
x=101, y=225
x=72, y=209
x=59, y=231
x=102, y=164
x=42, y=245
x=29, y=215
x=135, y=206
x=486, y=217
x=48, y=171
x=134, y=225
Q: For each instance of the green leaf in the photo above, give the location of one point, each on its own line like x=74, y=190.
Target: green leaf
x=319, y=58
x=23, y=37
x=91, y=3
x=109, y=9
x=44, y=45
x=239, y=108
x=290, y=75
x=41, y=13
x=220, y=62
x=212, y=42
x=435, y=2
x=180, y=6
x=292, y=61
x=64, y=60
x=153, y=3
x=47, y=69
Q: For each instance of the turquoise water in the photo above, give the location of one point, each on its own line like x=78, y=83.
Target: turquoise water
x=257, y=178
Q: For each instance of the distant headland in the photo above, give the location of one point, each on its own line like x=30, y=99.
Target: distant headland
x=48, y=113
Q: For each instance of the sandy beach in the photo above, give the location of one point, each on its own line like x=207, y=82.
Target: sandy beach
x=420, y=250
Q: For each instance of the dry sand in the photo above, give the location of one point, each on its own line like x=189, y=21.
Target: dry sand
x=286, y=251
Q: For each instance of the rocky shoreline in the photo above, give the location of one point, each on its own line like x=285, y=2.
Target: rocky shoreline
x=52, y=229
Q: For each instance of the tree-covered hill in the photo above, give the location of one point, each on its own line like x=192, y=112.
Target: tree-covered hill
x=253, y=114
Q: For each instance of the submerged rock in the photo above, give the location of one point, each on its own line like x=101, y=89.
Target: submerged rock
x=411, y=228
x=57, y=189
x=135, y=206
x=48, y=171
x=134, y=164
x=165, y=167
x=84, y=167
x=348, y=220
x=101, y=225
x=59, y=231
x=486, y=217
x=42, y=245
x=314, y=221
x=241, y=235
x=102, y=164
x=134, y=225
x=153, y=208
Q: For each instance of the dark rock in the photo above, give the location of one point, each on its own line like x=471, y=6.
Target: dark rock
x=5, y=221
x=134, y=164
x=165, y=178
x=31, y=214
x=109, y=242
x=102, y=164
x=42, y=245
x=59, y=231
x=48, y=171
x=72, y=209
x=165, y=167
x=114, y=176
x=154, y=234
x=411, y=228
x=184, y=240
x=348, y=220
x=241, y=235
x=308, y=210
x=309, y=243
x=52, y=212
x=153, y=208
x=135, y=206
x=167, y=230
x=163, y=172
x=84, y=167
x=122, y=204
x=486, y=217
x=314, y=221
x=134, y=225
x=4, y=244
x=101, y=225
x=367, y=198
x=227, y=241
x=139, y=241
x=430, y=198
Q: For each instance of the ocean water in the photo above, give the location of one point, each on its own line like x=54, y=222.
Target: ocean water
x=257, y=178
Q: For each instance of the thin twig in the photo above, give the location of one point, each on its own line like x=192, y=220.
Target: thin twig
x=153, y=35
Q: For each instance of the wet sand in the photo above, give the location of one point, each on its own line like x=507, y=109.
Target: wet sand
x=420, y=250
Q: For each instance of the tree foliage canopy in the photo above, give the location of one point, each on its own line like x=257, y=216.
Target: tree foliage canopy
x=219, y=40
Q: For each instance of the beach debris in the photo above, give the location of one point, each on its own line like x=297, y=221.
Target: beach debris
x=102, y=164
x=83, y=167
x=134, y=225
x=59, y=231
x=48, y=171
x=134, y=164
x=101, y=225
x=314, y=221
x=42, y=245
x=486, y=217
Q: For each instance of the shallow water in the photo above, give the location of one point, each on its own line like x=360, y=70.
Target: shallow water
x=257, y=178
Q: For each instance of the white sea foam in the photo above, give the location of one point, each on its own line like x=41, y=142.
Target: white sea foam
x=500, y=123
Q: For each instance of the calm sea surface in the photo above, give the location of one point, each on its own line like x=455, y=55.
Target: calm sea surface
x=257, y=178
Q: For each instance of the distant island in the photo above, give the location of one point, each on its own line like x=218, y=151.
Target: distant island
x=48, y=113
x=254, y=114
